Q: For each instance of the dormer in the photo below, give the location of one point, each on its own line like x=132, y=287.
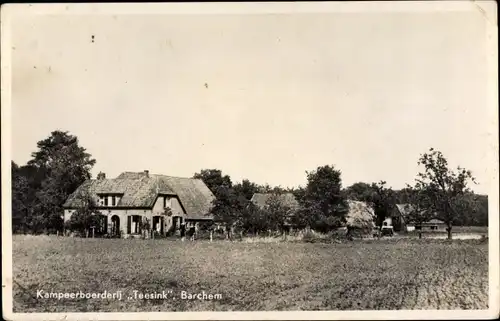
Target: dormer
x=109, y=199
x=164, y=200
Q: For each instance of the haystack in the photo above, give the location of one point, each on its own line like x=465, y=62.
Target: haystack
x=360, y=216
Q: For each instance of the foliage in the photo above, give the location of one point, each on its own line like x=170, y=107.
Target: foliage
x=232, y=206
x=214, y=180
x=323, y=206
x=418, y=206
x=360, y=191
x=277, y=212
x=56, y=169
x=227, y=204
x=26, y=181
x=253, y=220
x=273, y=217
x=85, y=216
x=442, y=189
x=20, y=208
x=246, y=189
x=206, y=225
x=474, y=215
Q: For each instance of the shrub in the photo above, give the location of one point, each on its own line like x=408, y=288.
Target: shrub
x=309, y=237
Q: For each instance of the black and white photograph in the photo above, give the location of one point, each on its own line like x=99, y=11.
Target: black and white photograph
x=286, y=160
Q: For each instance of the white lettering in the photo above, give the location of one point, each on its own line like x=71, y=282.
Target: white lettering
x=200, y=296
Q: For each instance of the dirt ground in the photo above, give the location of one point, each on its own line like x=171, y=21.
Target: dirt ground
x=399, y=274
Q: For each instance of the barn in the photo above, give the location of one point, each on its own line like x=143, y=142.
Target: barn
x=260, y=200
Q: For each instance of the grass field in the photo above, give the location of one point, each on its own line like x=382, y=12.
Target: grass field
x=389, y=274
x=459, y=232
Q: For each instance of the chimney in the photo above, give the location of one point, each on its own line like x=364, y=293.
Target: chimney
x=146, y=173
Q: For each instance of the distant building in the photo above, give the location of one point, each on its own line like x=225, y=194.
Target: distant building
x=432, y=225
x=285, y=199
x=260, y=200
x=127, y=201
x=400, y=220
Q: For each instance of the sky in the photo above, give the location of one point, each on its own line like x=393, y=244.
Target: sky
x=260, y=96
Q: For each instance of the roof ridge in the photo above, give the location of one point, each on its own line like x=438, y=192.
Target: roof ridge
x=183, y=177
x=141, y=173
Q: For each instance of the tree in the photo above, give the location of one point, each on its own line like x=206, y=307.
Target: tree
x=417, y=206
x=228, y=207
x=231, y=202
x=479, y=216
x=264, y=189
x=299, y=193
x=26, y=181
x=20, y=208
x=253, y=219
x=443, y=188
x=85, y=216
x=214, y=179
x=324, y=207
x=277, y=213
x=360, y=191
x=65, y=165
x=383, y=201
x=246, y=189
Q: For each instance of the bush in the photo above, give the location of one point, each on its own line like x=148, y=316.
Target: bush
x=206, y=226
x=157, y=235
x=309, y=237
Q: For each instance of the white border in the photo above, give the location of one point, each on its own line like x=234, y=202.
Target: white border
x=487, y=8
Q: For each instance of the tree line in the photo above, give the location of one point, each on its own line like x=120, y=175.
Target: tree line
x=60, y=165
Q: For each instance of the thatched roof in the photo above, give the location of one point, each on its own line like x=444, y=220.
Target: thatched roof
x=404, y=209
x=360, y=215
x=140, y=190
x=285, y=199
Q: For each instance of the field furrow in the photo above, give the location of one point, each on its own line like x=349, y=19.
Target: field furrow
x=431, y=274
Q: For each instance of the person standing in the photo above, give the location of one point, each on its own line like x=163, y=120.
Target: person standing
x=183, y=231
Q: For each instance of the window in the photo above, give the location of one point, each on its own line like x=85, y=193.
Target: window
x=167, y=202
x=109, y=200
x=134, y=224
x=158, y=224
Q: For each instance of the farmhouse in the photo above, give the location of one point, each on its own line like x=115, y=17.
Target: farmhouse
x=400, y=220
x=126, y=202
